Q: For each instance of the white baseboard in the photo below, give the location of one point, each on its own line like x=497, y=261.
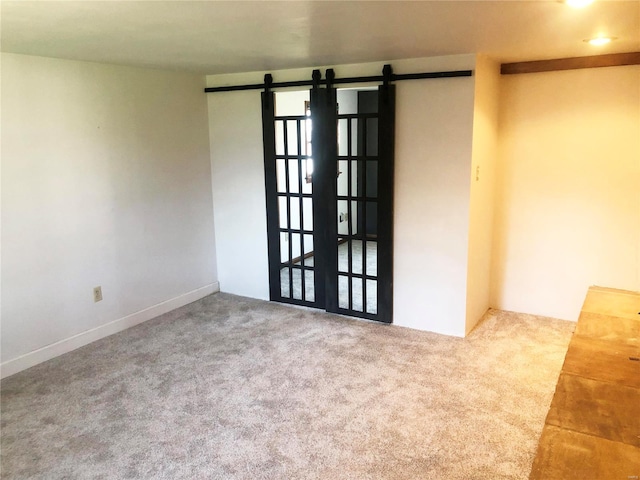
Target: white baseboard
x=43, y=354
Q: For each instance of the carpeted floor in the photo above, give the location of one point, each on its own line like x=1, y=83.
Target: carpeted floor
x=233, y=388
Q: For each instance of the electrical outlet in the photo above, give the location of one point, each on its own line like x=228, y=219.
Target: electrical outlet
x=97, y=294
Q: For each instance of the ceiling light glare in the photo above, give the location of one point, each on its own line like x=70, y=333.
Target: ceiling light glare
x=578, y=3
x=599, y=41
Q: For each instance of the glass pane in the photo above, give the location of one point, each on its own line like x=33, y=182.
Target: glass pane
x=307, y=214
x=343, y=137
x=356, y=171
x=303, y=137
x=372, y=179
x=295, y=213
x=292, y=137
x=294, y=185
x=284, y=282
x=308, y=249
x=357, y=294
x=291, y=102
x=343, y=257
x=296, y=251
x=297, y=283
x=343, y=178
x=353, y=215
x=343, y=215
x=354, y=137
x=372, y=259
x=372, y=296
x=282, y=212
x=356, y=256
x=279, y=137
x=343, y=291
x=309, y=286
x=307, y=137
x=372, y=137
x=372, y=218
x=284, y=247
x=281, y=185
x=347, y=101
x=307, y=172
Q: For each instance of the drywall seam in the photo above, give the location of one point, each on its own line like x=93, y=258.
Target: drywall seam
x=28, y=360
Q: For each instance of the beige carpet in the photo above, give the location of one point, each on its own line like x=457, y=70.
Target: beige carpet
x=233, y=388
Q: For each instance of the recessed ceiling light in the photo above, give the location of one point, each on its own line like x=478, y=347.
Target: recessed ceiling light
x=599, y=41
x=578, y=3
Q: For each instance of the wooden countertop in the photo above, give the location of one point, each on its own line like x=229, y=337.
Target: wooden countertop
x=592, y=430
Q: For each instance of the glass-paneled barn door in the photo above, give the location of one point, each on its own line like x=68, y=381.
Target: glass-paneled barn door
x=329, y=187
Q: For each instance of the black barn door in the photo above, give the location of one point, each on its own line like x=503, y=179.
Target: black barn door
x=341, y=259
x=296, y=264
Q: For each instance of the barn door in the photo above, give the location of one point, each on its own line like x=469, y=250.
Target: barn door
x=296, y=264
x=329, y=184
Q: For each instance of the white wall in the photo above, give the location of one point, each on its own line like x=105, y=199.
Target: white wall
x=568, y=213
x=434, y=122
x=105, y=181
x=481, y=206
x=235, y=123
x=433, y=163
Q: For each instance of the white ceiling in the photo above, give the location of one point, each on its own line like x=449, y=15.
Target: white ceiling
x=213, y=37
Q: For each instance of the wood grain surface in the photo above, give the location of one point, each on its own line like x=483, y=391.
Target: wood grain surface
x=592, y=429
